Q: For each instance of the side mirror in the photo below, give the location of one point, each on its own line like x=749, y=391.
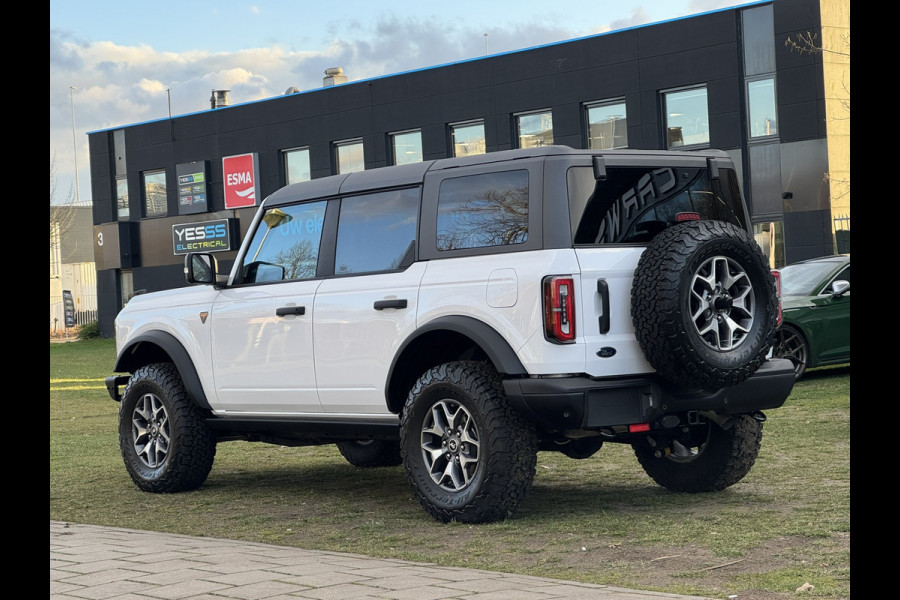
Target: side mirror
x=200, y=268
x=839, y=288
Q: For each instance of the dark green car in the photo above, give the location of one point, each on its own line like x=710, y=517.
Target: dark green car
x=815, y=296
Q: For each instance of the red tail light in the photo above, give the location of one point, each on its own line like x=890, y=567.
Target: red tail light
x=777, y=274
x=559, y=309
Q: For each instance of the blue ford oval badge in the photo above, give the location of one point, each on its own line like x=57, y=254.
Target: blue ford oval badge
x=606, y=352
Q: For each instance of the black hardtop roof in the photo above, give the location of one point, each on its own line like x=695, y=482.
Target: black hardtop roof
x=413, y=174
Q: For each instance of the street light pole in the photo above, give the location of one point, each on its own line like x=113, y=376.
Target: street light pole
x=72, y=89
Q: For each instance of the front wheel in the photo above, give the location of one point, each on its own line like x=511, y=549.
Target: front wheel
x=790, y=344
x=163, y=436
x=468, y=455
x=708, y=458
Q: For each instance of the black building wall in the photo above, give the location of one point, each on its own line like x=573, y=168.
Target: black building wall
x=634, y=64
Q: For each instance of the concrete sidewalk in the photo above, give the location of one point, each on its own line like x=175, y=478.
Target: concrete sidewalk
x=108, y=563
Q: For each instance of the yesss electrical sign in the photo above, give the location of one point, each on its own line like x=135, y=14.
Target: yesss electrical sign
x=209, y=236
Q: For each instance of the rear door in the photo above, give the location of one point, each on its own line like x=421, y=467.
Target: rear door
x=368, y=307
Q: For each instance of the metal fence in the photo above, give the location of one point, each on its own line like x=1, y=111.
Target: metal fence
x=58, y=315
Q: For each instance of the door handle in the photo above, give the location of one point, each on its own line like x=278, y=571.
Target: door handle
x=397, y=303
x=290, y=310
x=603, y=319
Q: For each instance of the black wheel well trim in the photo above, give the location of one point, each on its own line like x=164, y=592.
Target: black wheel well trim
x=488, y=339
x=174, y=350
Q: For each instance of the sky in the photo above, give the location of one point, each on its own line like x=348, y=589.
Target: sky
x=115, y=63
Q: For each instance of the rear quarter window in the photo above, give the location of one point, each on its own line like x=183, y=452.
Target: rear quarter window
x=484, y=210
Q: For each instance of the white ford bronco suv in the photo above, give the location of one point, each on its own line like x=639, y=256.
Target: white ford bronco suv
x=457, y=316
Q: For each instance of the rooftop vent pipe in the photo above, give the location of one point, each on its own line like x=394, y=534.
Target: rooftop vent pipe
x=219, y=98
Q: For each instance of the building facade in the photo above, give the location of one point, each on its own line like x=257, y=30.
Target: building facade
x=73, y=276
x=728, y=79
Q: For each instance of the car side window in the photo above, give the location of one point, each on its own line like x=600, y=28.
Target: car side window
x=376, y=232
x=478, y=211
x=286, y=244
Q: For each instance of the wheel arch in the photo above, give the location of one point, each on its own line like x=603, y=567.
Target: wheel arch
x=446, y=339
x=160, y=346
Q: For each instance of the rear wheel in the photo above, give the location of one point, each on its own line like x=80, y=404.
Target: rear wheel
x=468, y=455
x=371, y=453
x=708, y=458
x=163, y=436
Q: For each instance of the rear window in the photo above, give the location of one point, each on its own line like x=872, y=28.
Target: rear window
x=634, y=204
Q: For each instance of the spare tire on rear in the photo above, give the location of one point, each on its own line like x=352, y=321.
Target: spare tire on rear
x=704, y=304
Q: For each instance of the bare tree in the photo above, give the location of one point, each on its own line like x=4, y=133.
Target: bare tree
x=809, y=43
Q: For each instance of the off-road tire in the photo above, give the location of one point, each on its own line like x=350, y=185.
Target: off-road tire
x=371, y=453
x=704, y=305
x=163, y=436
x=716, y=457
x=458, y=410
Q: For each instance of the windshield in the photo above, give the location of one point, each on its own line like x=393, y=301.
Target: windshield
x=802, y=279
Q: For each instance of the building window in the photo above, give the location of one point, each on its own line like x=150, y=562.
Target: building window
x=687, y=117
x=296, y=165
x=406, y=147
x=126, y=286
x=763, y=108
x=155, y=193
x=770, y=237
x=376, y=231
x=535, y=129
x=122, y=210
x=349, y=156
x=479, y=211
x=467, y=138
x=606, y=125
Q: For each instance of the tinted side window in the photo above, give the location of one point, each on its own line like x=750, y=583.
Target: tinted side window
x=376, y=231
x=286, y=244
x=477, y=211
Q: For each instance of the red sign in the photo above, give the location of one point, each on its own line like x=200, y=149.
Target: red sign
x=240, y=176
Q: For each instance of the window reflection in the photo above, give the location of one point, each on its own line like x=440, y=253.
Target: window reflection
x=535, y=129
x=296, y=165
x=376, y=230
x=350, y=157
x=687, y=118
x=286, y=244
x=483, y=210
x=155, y=193
x=123, y=211
x=467, y=138
x=406, y=147
x=607, y=126
x=761, y=100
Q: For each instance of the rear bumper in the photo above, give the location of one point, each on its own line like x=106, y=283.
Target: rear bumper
x=579, y=402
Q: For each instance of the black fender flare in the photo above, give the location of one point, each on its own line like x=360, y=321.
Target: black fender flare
x=131, y=358
x=495, y=346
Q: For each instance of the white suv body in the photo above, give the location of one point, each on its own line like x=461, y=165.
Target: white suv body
x=459, y=315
